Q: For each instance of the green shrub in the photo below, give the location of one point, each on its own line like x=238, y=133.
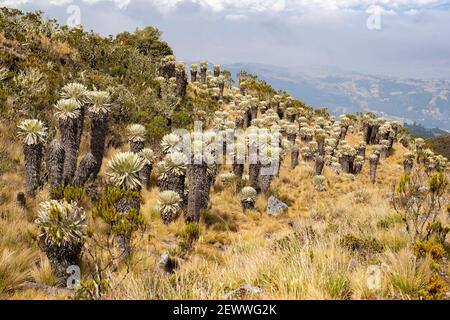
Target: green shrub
x=190, y=232
x=73, y=194
x=361, y=245
x=156, y=129
x=181, y=119
x=389, y=220
x=438, y=231
x=338, y=286
x=121, y=224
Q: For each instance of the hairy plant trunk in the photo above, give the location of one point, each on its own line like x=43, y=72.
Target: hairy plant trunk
x=238, y=169
x=291, y=138
x=367, y=132
x=85, y=170
x=265, y=178
x=203, y=75
x=346, y=162
x=253, y=112
x=197, y=180
x=68, y=129
x=373, y=169
x=291, y=117
x=216, y=72
x=145, y=175
x=357, y=168
x=167, y=70
x=33, y=160
x=276, y=107
x=418, y=152
x=221, y=89
x=374, y=138
x=173, y=182
x=253, y=172
x=247, y=119
x=21, y=199
x=136, y=146
x=80, y=125
x=391, y=140
x=124, y=206
x=55, y=167
x=295, y=152
x=408, y=165
x=239, y=123
x=280, y=112
x=99, y=129
x=361, y=152
x=319, y=165
x=211, y=174
x=321, y=146
x=181, y=81
x=383, y=152
x=344, y=130
x=248, y=205
x=193, y=76
x=61, y=257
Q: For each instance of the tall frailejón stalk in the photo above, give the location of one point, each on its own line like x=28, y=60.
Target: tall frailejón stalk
x=78, y=92
x=98, y=114
x=68, y=112
x=33, y=133
x=136, y=137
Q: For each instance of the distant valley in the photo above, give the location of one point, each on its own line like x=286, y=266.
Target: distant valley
x=425, y=102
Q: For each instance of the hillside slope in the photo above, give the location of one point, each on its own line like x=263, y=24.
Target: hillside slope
x=153, y=225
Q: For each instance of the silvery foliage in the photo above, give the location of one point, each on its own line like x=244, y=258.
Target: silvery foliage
x=32, y=131
x=67, y=109
x=61, y=223
x=123, y=170
x=136, y=132
x=248, y=194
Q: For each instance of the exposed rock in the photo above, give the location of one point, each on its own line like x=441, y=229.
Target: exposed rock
x=167, y=263
x=242, y=291
x=276, y=207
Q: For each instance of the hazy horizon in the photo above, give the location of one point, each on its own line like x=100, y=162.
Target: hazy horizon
x=409, y=39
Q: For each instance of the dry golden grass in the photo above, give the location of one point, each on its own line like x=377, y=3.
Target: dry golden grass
x=297, y=255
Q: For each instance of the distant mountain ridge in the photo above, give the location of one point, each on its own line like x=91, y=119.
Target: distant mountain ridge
x=420, y=131
x=425, y=102
x=441, y=145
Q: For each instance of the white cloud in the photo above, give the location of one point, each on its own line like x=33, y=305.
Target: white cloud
x=251, y=5
x=13, y=3
x=121, y=4
x=412, y=12
x=236, y=17
x=60, y=2
x=374, y=9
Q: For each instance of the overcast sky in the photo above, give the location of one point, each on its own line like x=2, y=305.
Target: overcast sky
x=411, y=40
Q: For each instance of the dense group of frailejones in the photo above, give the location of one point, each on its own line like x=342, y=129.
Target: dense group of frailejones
x=270, y=132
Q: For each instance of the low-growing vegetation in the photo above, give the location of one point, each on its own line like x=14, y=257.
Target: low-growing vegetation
x=271, y=193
